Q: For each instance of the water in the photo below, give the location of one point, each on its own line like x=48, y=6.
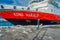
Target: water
x=5, y=23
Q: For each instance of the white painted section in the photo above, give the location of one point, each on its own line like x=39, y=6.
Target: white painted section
x=20, y=8
x=8, y=6
x=0, y=7
x=44, y=6
x=12, y=7
x=39, y=4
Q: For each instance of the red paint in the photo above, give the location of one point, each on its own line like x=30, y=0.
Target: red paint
x=0, y=13
x=29, y=15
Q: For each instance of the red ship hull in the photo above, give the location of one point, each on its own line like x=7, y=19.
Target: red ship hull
x=29, y=15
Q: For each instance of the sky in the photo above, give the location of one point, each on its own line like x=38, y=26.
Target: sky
x=21, y=2
x=15, y=2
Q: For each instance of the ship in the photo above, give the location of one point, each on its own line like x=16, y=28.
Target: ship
x=43, y=10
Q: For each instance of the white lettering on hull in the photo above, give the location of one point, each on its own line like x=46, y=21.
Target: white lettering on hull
x=27, y=14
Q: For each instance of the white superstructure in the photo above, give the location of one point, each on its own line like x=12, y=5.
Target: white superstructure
x=38, y=4
x=44, y=6
x=13, y=7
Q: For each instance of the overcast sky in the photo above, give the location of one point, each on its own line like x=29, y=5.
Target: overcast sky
x=18, y=2
x=15, y=2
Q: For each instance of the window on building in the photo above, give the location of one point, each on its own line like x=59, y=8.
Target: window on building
x=37, y=9
x=36, y=1
x=2, y=6
x=22, y=8
x=41, y=0
x=14, y=7
x=28, y=8
x=33, y=2
x=51, y=10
